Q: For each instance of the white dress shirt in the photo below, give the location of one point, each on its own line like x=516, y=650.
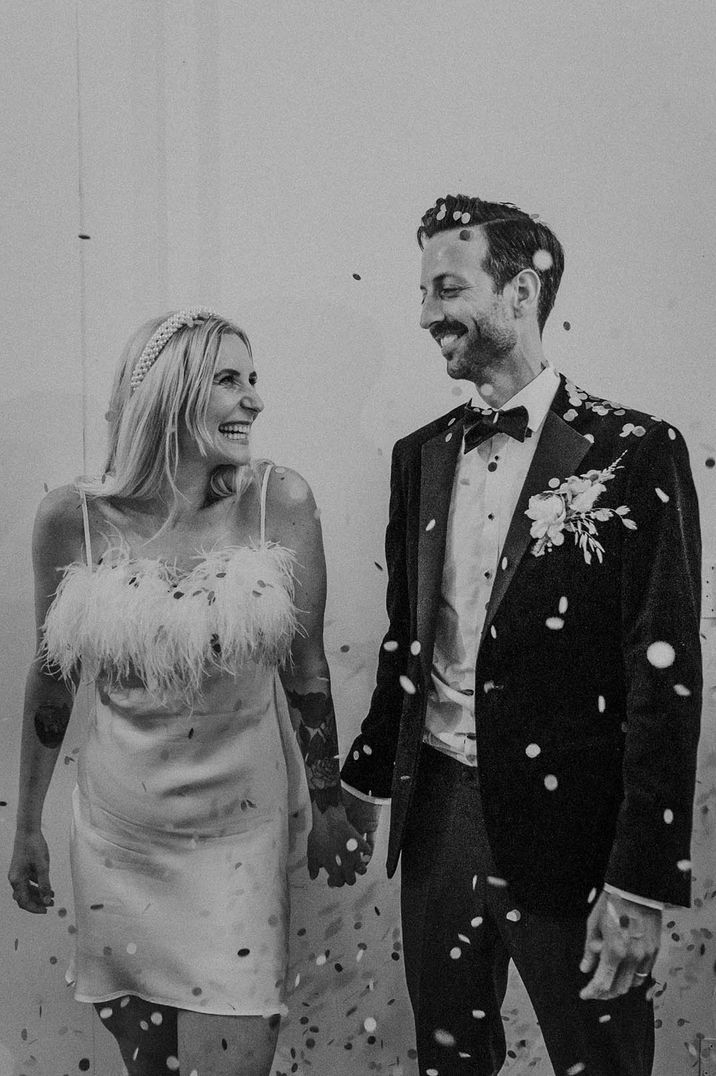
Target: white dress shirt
x=486, y=487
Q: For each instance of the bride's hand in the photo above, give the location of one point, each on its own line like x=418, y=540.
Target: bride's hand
x=336, y=846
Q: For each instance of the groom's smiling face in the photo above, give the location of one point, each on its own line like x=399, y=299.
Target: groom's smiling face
x=471, y=321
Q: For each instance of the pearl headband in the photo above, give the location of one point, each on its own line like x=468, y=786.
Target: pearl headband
x=160, y=338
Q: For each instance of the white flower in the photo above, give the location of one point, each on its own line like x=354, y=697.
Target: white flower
x=584, y=501
x=549, y=512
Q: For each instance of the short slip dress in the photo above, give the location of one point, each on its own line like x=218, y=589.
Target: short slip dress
x=186, y=776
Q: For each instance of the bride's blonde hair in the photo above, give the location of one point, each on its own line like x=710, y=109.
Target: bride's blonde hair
x=143, y=441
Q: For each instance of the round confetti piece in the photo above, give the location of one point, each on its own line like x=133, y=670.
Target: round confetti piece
x=443, y=1037
x=566, y=325
x=601, y=704
x=493, y=631
x=407, y=685
x=243, y=952
x=479, y=1014
x=661, y=495
x=668, y=816
x=605, y=1018
x=455, y=953
x=415, y=648
x=432, y=1072
x=105, y=1013
x=533, y=750
x=542, y=260
x=172, y=1063
x=351, y=844
x=356, y=276
x=448, y=437
x=390, y=645
x=681, y=690
x=124, y=1002
x=356, y=756
x=321, y=959
x=514, y=916
x=500, y=883
x=476, y=922
x=503, y=564
x=574, y=1070
x=684, y=865
x=370, y=1024
x=144, y=1025
x=553, y=483
x=554, y=623
x=563, y=605
x=456, y=215
x=550, y=782
x=156, y=1018
x=661, y=655
x=465, y=218
x=367, y=749
x=132, y=948
x=592, y=895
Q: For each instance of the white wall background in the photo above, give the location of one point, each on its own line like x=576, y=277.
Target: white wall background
x=255, y=155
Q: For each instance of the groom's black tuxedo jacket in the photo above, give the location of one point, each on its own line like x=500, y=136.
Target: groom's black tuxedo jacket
x=617, y=732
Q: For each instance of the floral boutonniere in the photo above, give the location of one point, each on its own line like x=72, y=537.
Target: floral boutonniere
x=570, y=507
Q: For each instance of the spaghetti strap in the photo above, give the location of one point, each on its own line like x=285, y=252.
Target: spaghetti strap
x=264, y=487
x=85, y=521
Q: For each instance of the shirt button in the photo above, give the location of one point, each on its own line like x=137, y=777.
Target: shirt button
x=492, y=466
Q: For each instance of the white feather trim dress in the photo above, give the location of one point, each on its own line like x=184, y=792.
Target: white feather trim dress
x=180, y=827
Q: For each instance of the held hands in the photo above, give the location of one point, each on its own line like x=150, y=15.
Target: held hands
x=336, y=846
x=29, y=873
x=626, y=935
x=364, y=816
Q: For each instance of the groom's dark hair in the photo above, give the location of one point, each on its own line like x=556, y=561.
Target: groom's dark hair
x=513, y=239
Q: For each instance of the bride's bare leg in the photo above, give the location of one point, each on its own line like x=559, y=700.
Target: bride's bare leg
x=146, y=1033
x=226, y=1045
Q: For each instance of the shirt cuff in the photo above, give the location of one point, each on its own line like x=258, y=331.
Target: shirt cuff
x=362, y=796
x=658, y=904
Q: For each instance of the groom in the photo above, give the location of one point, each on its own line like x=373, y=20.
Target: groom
x=535, y=719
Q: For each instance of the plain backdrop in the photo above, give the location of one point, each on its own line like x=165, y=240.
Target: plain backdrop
x=272, y=160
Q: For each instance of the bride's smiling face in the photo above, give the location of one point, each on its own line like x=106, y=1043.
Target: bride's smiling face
x=233, y=406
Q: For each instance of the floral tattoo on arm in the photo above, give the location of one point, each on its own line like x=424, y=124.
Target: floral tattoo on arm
x=318, y=741
x=51, y=723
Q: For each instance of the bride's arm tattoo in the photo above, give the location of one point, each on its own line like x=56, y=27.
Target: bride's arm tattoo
x=51, y=723
x=318, y=740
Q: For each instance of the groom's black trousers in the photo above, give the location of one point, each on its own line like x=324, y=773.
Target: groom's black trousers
x=460, y=932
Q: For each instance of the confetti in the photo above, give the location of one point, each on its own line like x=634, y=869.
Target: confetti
x=493, y=631
x=569, y=416
x=351, y=844
x=503, y=564
x=476, y=922
x=563, y=605
x=550, y=782
x=681, y=690
x=172, y=1063
x=370, y=1024
x=415, y=648
x=132, y=948
x=407, y=685
x=443, y=1037
x=514, y=916
x=684, y=864
x=553, y=483
x=455, y=953
x=576, y=1069
x=465, y=218
x=156, y=1018
x=356, y=276
x=105, y=1013
x=554, y=623
x=605, y=1018
x=566, y=325
x=500, y=883
x=601, y=704
x=479, y=1014
x=542, y=260
x=661, y=495
x=389, y=646
x=661, y=655
x=668, y=816
x=533, y=750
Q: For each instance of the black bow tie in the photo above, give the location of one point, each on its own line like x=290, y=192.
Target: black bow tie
x=481, y=423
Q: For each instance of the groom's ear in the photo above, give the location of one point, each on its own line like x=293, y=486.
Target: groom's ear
x=524, y=298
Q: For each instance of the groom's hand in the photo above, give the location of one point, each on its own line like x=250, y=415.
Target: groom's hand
x=363, y=816
x=623, y=939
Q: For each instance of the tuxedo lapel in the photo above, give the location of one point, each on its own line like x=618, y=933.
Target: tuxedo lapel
x=559, y=452
x=438, y=458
